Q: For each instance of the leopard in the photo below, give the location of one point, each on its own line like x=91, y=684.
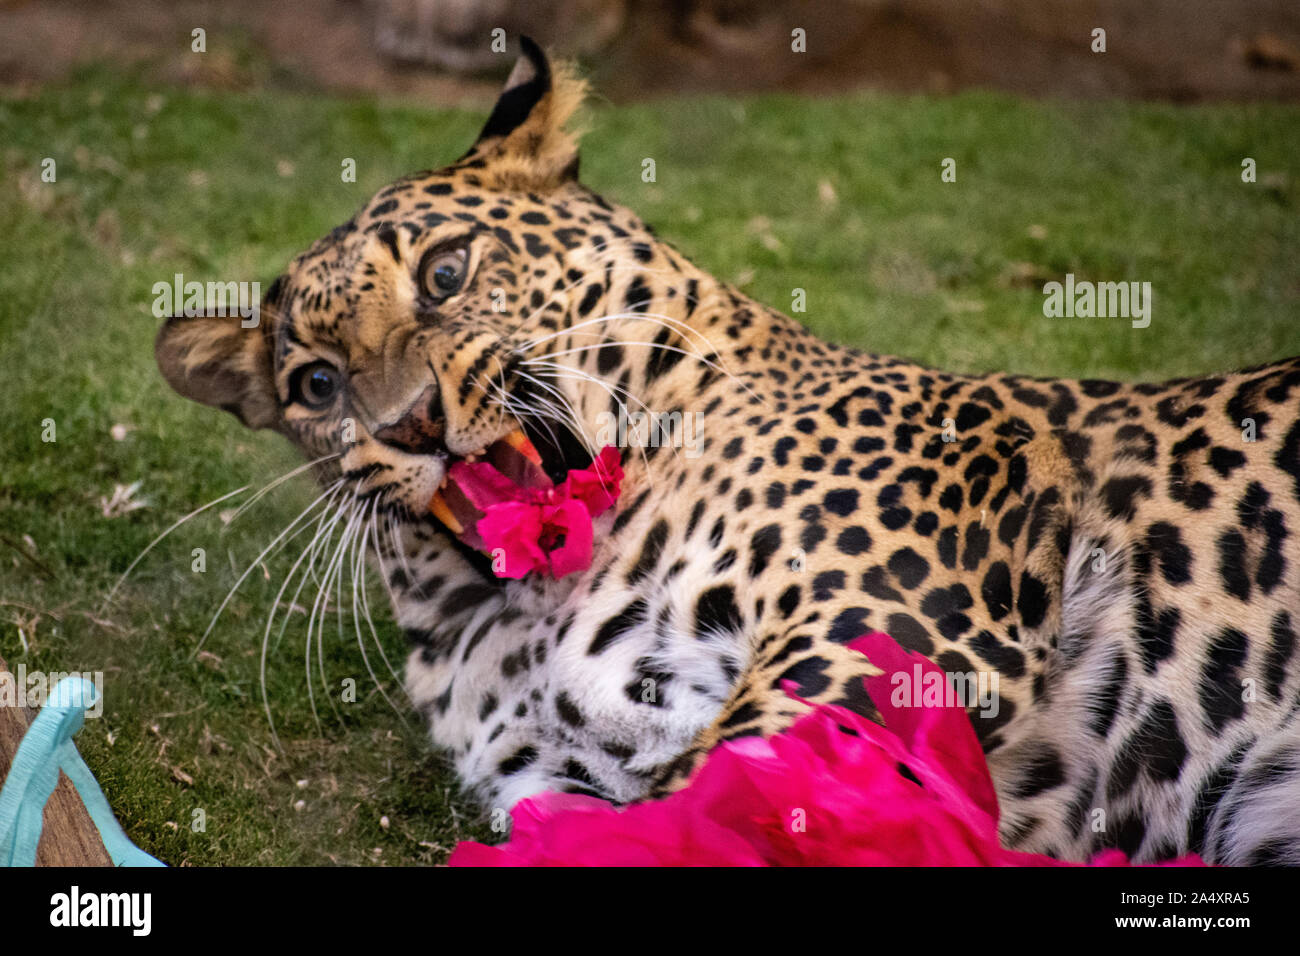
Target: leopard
x=1122, y=557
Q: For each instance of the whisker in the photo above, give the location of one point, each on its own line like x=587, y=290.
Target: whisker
x=584, y=376
x=395, y=529
x=365, y=601
x=322, y=538
x=653, y=345
x=347, y=551
x=281, y=537
x=562, y=371
x=720, y=369
x=518, y=409
x=277, y=482
x=557, y=294
x=320, y=607
x=176, y=524
x=360, y=601
x=573, y=419
x=270, y=620
x=672, y=323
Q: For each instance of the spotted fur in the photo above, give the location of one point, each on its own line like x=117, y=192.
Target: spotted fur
x=1120, y=555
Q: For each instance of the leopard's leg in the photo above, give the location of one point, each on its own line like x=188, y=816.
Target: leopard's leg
x=1257, y=821
x=760, y=704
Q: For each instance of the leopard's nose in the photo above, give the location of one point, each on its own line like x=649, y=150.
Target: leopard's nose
x=420, y=428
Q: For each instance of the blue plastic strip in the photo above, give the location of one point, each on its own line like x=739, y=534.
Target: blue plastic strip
x=47, y=748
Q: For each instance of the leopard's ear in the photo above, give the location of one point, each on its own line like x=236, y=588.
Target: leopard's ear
x=217, y=361
x=527, y=142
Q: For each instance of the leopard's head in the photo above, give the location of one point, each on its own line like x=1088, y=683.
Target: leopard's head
x=461, y=312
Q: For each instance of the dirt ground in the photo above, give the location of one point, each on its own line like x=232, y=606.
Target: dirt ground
x=1182, y=50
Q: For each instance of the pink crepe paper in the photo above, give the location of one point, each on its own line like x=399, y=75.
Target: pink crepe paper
x=812, y=795
x=547, y=530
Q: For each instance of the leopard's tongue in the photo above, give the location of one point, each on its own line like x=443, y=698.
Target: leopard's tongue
x=469, y=491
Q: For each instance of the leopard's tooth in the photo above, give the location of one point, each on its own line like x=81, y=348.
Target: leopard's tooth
x=520, y=443
x=438, y=505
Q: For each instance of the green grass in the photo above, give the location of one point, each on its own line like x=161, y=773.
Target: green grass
x=220, y=185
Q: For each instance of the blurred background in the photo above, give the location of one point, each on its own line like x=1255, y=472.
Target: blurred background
x=1182, y=50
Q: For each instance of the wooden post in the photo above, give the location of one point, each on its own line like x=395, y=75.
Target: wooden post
x=69, y=837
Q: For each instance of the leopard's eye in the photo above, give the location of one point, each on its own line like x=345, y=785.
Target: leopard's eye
x=315, y=385
x=443, y=273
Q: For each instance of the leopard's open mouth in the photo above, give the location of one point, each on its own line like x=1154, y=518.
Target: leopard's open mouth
x=537, y=456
